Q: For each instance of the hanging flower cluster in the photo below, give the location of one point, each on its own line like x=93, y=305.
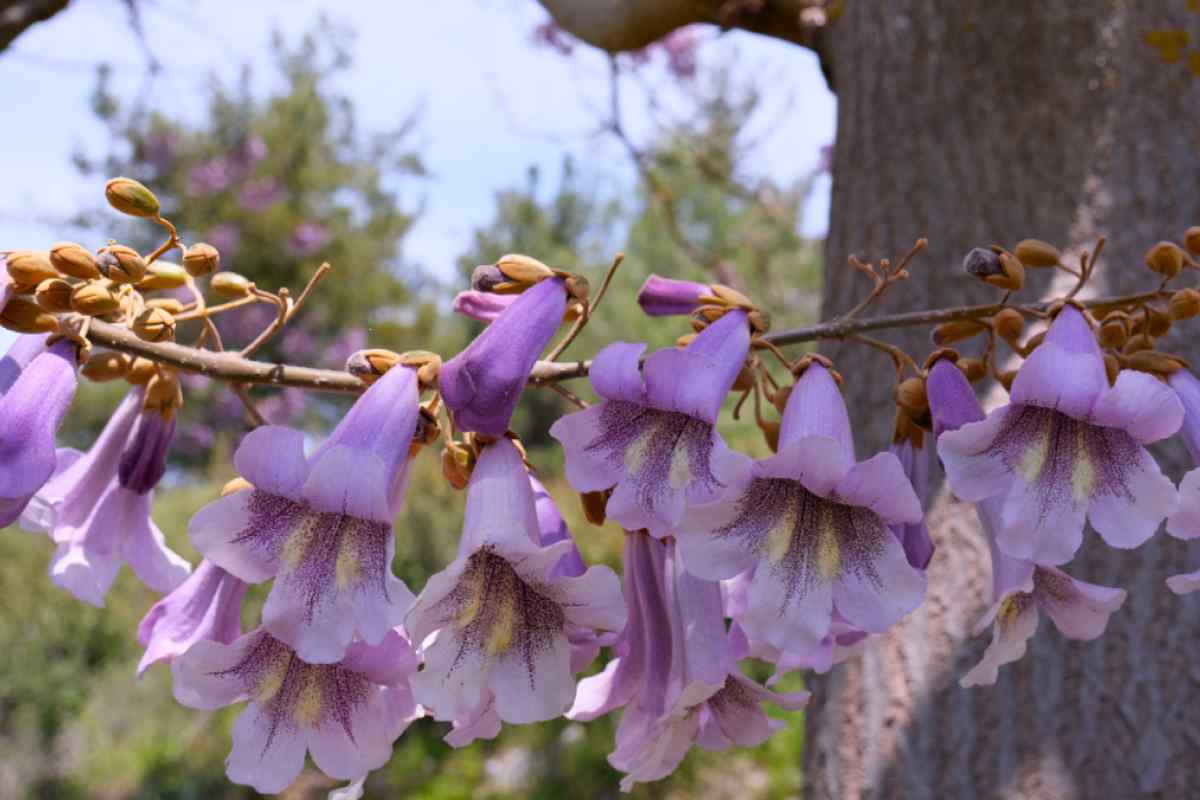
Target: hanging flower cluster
x=790, y=559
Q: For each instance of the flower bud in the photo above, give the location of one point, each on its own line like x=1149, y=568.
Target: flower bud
x=1138, y=343
x=54, y=295
x=1036, y=253
x=168, y=304
x=594, y=505
x=1114, y=331
x=456, y=466
x=22, y=316
x=685, y=340
x=660, y=296
x=1009, y=324
x=368, y=365
x=1012, y=276
x=96, y=298
x=163, y=275
x=1191, y=240
x=236, y=485
x=1112, y=368
x=577, y=287
x=130, y=197
x=1165, y=258
x=956, y=331
x=911, y=395
x=972, y=368
x=1184, y=304
x=1152, y=361
x=760, y=321
x=523, y=269
x=74, y=260
x=201, y=259
x=28, y=268
x=154, y=325
x=230, y=284
x=732, y=296
x=487, y=277
x=121, y=264
x=995, y=266
x=106, y=365
x=1158, y=322
x=163, y=393
x=141, y=371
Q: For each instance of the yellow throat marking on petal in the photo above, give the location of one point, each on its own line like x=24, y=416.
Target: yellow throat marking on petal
x=829, y=551
x=297, y=541
x=475, y=585
x=271, y=681
x=308, y=704
x=504, y=627
x=639, y=450
x=349, y=571
x=779, y=537
x=681, y=470
x=1083, y=474
x=1034, y=457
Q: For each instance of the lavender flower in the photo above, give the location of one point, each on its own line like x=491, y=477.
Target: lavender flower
x=19, y=355
x=482, y=306
x=322, y=525
x=258, y=196
x=96, y=507
x=1184, y=522
x=482, y=384
x=205, y=607
x=1066, y=447
x=653, y=440
x=346, y=714
x=813, y=524
x=31, y=412
x=307, y=238
x=660, y=297
x=914, y=536
x=494, y=625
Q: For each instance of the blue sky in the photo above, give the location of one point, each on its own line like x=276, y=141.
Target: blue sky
x=491, y=103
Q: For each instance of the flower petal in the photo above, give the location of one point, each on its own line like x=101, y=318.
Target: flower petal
x=879, y=483
x=1184, y=521
x=214, y=531
x=204, y=677
x=1011, y=632
x=340, y=756
x=874, y=603
x=1066, y=372
x=347, y=480
x=1079, y=610
x=815, y=407
x=596, y=599
x=588, y=470
x=271, y=457
x=540, y=689
x=974, y=471
x=1034, y=531
x=1127, y=520
x=694, y=380
x=267, y=759
x=616, y=373
x=145, y=549
x=1141, y=405
x=1184, y=583
x=818, y=462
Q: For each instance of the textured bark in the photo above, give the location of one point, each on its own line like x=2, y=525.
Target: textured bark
x=970, y=122
x=18, y=15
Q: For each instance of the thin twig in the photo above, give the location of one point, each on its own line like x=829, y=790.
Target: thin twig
x=172, y=241
x=243, y=394
x=283, y=311
x=588, y=310
x=568, y=395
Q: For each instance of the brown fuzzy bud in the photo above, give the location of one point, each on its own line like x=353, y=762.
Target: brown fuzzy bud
x=54, y=295
x=1152, y=361
x=770, y=432
x=779, y=398
x=1036, y=253
x=456, y=465
x=201, y=259
x=1184, y=304
x=1138, y=343
x=163, y=393
x=594, y=506
x=368, y=365
x=1012, y=276
x=685, y=340
x=96, y=298
x=427, y=365
x=163, y=275
x=1114, y=331
x=236, y=485
x=22, y=316
x=130, y=197
x=732, y=296
x=107, y=365
x=523, y=269
x=972, y=368
x=168, y=304
x=74, y=260
x=1158, y=322
x=982, y=263
x=1112, y=368
x=1165, y=258
x=1009, y=324
x=1191, y=240
x=578, y=288
x=121, y=264
x=956, y=331
x=155, y=325
x=141, y=371
x=911, y=395
x=230, y=284
x=1006, y=379
x=28, y=268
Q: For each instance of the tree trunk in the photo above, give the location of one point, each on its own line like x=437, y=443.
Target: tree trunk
x=972, y=122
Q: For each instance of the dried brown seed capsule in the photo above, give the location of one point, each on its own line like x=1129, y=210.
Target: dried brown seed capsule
x=96, y=298
x=1155, y=362
x=1114, y=331
x=74, y=260
x=22, y=316
x=1138, y=343
x=1165, y=258
x=1036, y=253
x=911, y=395
x=54, y=295
x=956, y=331
x=230, y=284
x=201, y=259
x=1184, y=304
x=594, y=506
x=141, y=371
x=1191, y=240
x=121, y=264
x=106, y=365
x=163, y=275
x=1112, y=368
x=168, y=304
x=155, y=325
x=30, y=267
x=1158, y=322
x=523, y=269
x=130, y=197
x=972, y=368
x=1009, y=324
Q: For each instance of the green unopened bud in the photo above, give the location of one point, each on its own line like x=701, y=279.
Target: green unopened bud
x=201, y=259
x=74, y=260
x=163, y=275
x=22, y=316
x=130, y=197
x=230, y=284
x=28, y=268
x=122, y=264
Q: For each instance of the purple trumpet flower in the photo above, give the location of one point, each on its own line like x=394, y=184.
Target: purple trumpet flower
x=19, y=355
x=1066, y=447
x=1184, y=522
x=205, y=607
x=914, y=536
x=31, y=412
x=346, y=714
x=813, y=523
x=98, y=518
x=661, y=297
x=321, y=525
x=482, y=384
x=1020, y=587
x=495, y=625
x=653, y=440
x=675, y=671
x=483, y=306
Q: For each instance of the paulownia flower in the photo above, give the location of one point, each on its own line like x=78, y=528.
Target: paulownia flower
x=653, y=440
x=660, y=297
x=19, y=355
x=1066, y=447
x=675, y=671
x=1184, y=522
x=1020, y=588
x=494, y=626
x=482, y=384
x=813, y=524
x=321, y=525
x=914, y=536
x=31, y=412
x=482, y=306
x=346, y=714
x=205, y=607
x=96, y=508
